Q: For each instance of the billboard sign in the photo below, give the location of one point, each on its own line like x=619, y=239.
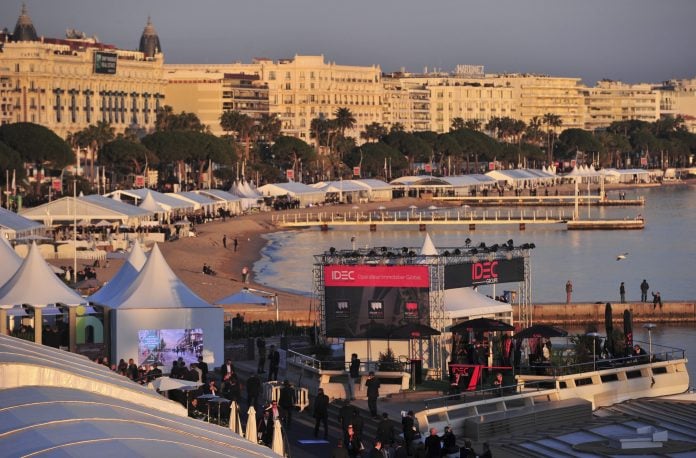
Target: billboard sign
x=360, y=298
x=105, y=63
x=164, y=346
x=484, y=272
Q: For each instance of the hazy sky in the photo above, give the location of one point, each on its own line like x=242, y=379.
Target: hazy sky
x=628, y=40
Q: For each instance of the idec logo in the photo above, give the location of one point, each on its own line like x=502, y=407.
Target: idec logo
x=343, y=275
x=484, y=271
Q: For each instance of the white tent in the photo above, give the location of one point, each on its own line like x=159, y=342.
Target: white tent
x=110, y=292
x=35, y=284
x=305, y=194
x=14, y=226
x=428, y=248
x=70, y=405
x=149, y=204
x=158, y=300
x=10, y=261
x=89, y=208
x=465, y=304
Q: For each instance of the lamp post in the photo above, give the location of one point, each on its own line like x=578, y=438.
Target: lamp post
x=650, y=327
x=594, y=336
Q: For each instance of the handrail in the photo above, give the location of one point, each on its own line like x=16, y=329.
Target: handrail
x=365, y=366
x=488, y=393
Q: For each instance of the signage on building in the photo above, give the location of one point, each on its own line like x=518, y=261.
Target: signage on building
x=491, y=166
x=428, y=168
x=139, y=181
x=356, y=171
x=484, y=272
x=105, y=63
x=290, y=174
x=57, y=185
x=644, y=161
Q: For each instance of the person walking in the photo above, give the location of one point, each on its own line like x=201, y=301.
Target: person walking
x=433, y=449
x=286, y=401
x=372, y=385
x=644, y=288
x=235, y=242
x=321, y=413
x=261, y=348
x=354, y=374
x=224, y=241
x=385, y=430
x=273, y=363
x=569, y=291
x=245, y=274
x=622, y=292
x=253, y=388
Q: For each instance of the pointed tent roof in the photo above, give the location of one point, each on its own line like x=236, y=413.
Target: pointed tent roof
x=123, y=278
x=22, y=287
x=150, y=204
x=10, y=261
x=428, y=247
x=468, y=303
x=158, y=287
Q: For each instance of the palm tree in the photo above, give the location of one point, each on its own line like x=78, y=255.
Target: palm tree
x=344, y=120
x=268, y=127
x=473, y=124
x=93, y=137
x=552, y=121
x=397, y=127
x=373, y=131
x=457, y=124
x=240, y=123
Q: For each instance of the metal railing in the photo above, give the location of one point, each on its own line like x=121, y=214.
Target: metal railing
x=332, y=365
x=487, y=393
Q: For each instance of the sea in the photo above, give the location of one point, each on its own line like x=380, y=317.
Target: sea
x=664, y=254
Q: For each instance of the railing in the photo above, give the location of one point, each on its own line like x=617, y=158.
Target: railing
x=365, y=366
x=487, y=393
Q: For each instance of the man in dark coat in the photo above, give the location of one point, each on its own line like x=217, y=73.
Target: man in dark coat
x=345, y=416
x=273, y=363
x=261, y=350
x=409, y=429
x=321, y=413
x=372, y=385
x=432, y=445
x=286, y=401
x=265, y=428
x=203, y=366
x=253, y=387
x=385, y=430
x=340, y=451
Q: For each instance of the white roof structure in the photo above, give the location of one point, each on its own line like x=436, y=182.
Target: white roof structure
x=167, y=202
x=149, y=204
x=88, y=208
x=339, y=186
x=54, y=402
x=519, y=176
x=157, y=287
x=467, y=303
x=374, y=184
x=305, y=194
x=458, y=181
x=197, y=200
x=244, y=189
x=428, y=248
x=123, y=278
x=10, y=261
x=14, y=226
x=35, y=284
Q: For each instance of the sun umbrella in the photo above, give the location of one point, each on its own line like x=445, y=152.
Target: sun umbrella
x=244, y=297
x=540, y=330
x=432, y=207
x=167, y=383
x=235, y=422
x=251, y=432
x=482, y=324
x=278, y=446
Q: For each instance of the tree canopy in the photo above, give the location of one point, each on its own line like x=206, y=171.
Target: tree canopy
x=37, y=144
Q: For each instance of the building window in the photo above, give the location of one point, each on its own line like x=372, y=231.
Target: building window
x=134, y=108
x=146, y=108
x=272, y=76
x=58, y=107
x=88, y=105
x=73, y=105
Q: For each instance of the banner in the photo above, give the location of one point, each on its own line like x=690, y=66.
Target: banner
x=290, y=174
x=356, y=171
x=139, y=181
x=359, y=300
x=484, y=272
x=491, y=166
x=57, y=185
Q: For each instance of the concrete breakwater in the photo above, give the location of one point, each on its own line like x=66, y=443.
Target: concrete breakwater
x=580, y=313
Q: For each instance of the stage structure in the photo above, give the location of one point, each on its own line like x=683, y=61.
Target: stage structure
x=367, y=293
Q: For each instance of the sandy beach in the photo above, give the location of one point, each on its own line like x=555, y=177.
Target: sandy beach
x=186, y=257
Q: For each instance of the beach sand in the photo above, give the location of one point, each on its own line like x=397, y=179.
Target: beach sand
x=186, y=257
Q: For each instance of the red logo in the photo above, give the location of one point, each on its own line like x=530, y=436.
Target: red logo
x=484, y=271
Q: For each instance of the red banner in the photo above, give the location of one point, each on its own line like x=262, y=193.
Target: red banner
x=491, y=166
x=57, y=185
x=356, y=171
x=428, y=168
x=399, y=276
x=290, y=174
x=139, y=181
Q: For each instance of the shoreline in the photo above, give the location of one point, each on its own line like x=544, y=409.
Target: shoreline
x=186, y=257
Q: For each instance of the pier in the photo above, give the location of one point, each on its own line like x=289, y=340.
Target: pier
x=581, y=313
x=541, y=201
x=469, y=219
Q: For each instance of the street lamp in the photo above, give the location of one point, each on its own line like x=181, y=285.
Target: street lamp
x=594, y=336
x=650, y=327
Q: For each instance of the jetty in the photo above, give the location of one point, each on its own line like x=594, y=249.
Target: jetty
x=540, y=201
x=461, y=218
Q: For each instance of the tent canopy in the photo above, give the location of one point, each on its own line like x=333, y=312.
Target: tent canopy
x=22, y=288
x=10, y=261
x=123, y=278
x=157, y=287
x=467, y=303
x=14, y=225
x=244, y=297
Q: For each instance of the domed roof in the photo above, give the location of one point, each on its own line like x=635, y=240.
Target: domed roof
x=24, y=30
x=149, y=41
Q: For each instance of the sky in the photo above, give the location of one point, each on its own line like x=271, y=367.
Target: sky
x=627, y=40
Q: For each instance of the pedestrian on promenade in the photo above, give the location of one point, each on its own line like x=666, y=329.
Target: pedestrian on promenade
x=261, y=347
x=245, y=274
x=273, y=363
x=644, y=288
x=372, y=385
x=235, y=243
x=224, y=241
x=354, y=377
x=321, y=413
x=622, y=293
x=569, y=291
x=657, y=300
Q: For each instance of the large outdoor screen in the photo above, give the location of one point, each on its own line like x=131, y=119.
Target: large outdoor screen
x=484, y=272
x=163, y=346
x=362, y=301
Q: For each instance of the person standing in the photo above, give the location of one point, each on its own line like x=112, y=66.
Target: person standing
x=644, y=288
x=569, y=291
x=224, y=241
x=265, y=428
x=321, y=413
x=253, y=388
x=245, y=274
x=432, y=445
x=372, y=385
x=261, y=348
x=622, y=292
x=657, y=300
x=235, y=243
x=354, y=374
x=273, y=363
x=385, y=430
x=286, y=401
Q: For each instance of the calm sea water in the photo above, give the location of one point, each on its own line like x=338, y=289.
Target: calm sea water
x=664, y=254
